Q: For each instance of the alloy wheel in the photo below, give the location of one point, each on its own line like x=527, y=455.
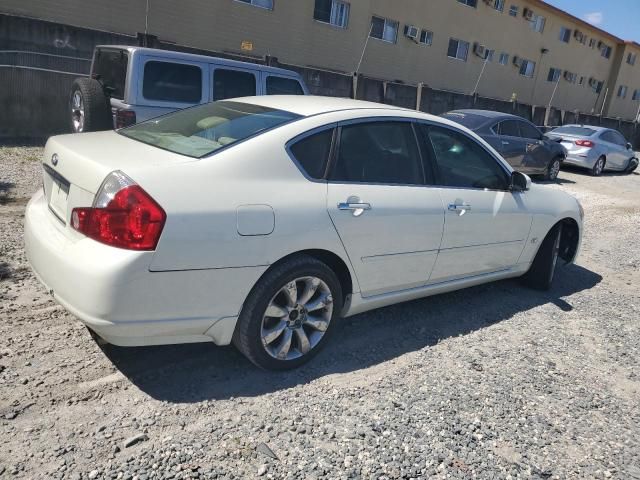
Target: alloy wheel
x=77, y=112
x=554, y=170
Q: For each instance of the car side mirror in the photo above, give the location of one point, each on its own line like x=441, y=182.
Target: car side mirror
x=520, y=182
x=629, y=146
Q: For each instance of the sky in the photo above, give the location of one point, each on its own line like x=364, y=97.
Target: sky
x=619, y=17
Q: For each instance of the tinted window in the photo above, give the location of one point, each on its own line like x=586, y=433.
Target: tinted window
x=111, y=68
x=577, y=131
x=172, y=82
x=613, y=137
x=463, y=163
x=312, y=152
x=232, y=84
x=202, y=130
x=469, y=120
x=509, y=128
x=619, y=139
x=529, y=131
x=608, y=137
x=283, y=86
x=378, y=152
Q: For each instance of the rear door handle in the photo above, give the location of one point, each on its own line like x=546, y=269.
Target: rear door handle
x=504, y=142
x=358, y=208
x=459, y=207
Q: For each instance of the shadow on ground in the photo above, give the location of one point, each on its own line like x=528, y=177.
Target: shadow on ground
x=5, y=189
x=196, y=372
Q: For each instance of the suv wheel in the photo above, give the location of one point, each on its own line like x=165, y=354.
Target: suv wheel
x=90, y=110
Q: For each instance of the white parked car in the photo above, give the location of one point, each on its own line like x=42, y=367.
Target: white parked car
x=263, y=220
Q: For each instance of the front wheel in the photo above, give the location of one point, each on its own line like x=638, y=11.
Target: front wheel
x=598, y=168
x=540, y=275
x=289, y=314
x=553, y=169
x=633, y=164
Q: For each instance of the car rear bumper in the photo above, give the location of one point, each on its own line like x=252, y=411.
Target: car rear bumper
x=112, y=291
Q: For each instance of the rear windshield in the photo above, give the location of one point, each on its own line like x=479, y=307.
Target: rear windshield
x=469, y=120
x=201, y=130
x=110, y=67
x=577, y=131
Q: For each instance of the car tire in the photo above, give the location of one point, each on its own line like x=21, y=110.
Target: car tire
x=598, y=167
x=89, y=107
x=633, y=164
x=542, y=270
x=553, y=169
x=263, y=337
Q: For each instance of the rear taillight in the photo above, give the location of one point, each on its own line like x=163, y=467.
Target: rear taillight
x=124, y=118
x=584, y=143
x=123, y=215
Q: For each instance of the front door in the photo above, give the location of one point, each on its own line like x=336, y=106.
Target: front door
x=389, y=222
x=486, y=225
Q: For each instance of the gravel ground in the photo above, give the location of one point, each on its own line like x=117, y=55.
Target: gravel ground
x=495, y=381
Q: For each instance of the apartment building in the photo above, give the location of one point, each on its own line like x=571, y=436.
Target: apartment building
x=507, y=49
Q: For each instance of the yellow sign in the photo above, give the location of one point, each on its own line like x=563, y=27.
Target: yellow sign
x=247, y=46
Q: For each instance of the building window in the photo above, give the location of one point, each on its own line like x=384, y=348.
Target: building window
x=268, y=4
x=592, y=42
x=333, y=12
x=565, y=34
x=595, y=85
x=513, y=10
x=426, y=37
x=458, y=49
x=631, y=58
x=527, y=68
x=471, y=3
x=498, y=5
x=581, y=81
x=384, y=29
x=537, y=24
x=636, y=94
x=622, y=91
x=490, y=54
x=606, y=51
x=504, y=59
x=554, y=75
x=570, y=77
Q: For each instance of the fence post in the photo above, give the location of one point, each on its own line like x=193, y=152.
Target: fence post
x=419, y=96
x=354, y=86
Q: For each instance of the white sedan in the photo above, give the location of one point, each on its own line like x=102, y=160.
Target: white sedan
x=261, y=221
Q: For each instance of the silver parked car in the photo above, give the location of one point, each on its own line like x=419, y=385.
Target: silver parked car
x=596, y=148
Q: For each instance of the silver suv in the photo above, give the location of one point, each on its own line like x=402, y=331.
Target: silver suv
x=132, y=84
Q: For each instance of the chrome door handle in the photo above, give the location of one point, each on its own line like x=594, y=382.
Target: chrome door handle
x=358, y=208
x=505, y=142
x=459, y=207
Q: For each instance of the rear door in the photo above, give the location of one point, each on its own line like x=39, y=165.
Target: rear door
x=511, y=146
x=389, y=222
x=231, y=82
x=536, y=157
x=486, y=225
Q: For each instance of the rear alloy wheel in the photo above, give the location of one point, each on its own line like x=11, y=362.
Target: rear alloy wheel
x=553, y=170
x=540, y=275
x=289, y=314
x=598, y=168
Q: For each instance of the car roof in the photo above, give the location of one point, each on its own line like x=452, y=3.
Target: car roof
x=195, y=57
x=307, y=105
x=488, y=114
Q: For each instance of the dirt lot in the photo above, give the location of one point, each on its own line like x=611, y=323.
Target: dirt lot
x=495, y=381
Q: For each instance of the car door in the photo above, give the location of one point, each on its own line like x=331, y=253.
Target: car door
x=623, y=154
x=536, y=156
x=389, y=222
x=511, y=145
x=486, y=224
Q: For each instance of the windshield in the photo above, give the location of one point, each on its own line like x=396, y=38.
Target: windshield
x=577, y=131
x=469, y=120
x=201, y=130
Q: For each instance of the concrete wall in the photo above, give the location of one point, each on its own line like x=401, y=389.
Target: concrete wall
x=290, y=33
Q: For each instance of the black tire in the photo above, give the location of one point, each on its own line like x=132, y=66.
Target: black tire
x=598, y=167
x=95, y=107
x=633, y=164
x=247, y=335
x=540, y=275
x=553, y=169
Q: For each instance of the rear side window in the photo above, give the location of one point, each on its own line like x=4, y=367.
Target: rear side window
x=232, y=84
x=469, y=120
x=110, y=67
x=283, y=86
x=312, y=153
x=508, y=128
x=172, y=82
x=577, y=131
x=378, y=152
x=464, y=163
x=529, y=131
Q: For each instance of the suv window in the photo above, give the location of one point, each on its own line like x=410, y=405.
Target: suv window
x=463, y=163
x=312, y=152
x=110, y=67
x=378, y=152
x=172, y=82
x=529, y=131
x=509, y=128
x=233, y=83
x=283, y=86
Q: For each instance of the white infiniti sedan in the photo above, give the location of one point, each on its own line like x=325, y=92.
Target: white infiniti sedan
x=261, y=221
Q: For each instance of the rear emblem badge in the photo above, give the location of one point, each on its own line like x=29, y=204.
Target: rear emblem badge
x=54, y=159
